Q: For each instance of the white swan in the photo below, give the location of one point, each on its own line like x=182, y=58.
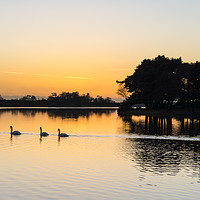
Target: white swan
x=62, y=134
x=43, y=133
x=14, y=132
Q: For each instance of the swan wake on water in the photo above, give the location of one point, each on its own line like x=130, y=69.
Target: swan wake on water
x=133, y=136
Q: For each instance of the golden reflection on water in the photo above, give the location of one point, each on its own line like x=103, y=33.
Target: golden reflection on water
x=79, y=148
x=85, y=122
x=69, y=167
x=96, y=162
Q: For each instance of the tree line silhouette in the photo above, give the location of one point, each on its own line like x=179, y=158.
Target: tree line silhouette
x=162, y=83
x=62, y=99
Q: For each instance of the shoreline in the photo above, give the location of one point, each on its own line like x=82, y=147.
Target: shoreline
x=60, y=108
x=163, y=113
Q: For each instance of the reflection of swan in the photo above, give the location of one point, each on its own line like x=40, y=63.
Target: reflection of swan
x=62, y=134
x=43, y=133
x=14, y=132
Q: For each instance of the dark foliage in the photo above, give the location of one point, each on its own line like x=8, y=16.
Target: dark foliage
x=63, y=99
x=163, y=82
x=75, y=99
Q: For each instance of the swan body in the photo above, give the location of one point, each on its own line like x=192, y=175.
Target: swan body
x=43, y=133
x=62, y=134
x=14, y=132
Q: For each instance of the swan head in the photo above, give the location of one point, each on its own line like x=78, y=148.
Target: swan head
x=11, y=129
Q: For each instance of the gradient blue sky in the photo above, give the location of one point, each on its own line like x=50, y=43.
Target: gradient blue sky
x=54, y=46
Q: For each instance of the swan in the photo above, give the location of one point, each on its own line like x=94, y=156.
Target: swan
x=14, y=132
x=62, y=134
x=43, y=133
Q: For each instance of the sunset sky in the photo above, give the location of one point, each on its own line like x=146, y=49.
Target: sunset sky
x=86, y=45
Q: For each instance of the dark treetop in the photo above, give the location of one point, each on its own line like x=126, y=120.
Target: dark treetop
x=163, y=83
x=63, y=99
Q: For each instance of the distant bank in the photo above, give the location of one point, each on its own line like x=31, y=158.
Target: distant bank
x=46, y=103
x=59, y=108
x=163, y=112
x=64, y=99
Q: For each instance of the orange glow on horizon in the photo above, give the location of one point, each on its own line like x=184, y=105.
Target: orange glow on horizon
x=55, y=46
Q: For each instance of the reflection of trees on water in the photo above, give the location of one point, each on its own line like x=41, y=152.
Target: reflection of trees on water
x=75, y=114
x=153, y=125
x=62, y=113
x=164, y=156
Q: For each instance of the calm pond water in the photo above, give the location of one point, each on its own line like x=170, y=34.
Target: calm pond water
x=106, y=156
